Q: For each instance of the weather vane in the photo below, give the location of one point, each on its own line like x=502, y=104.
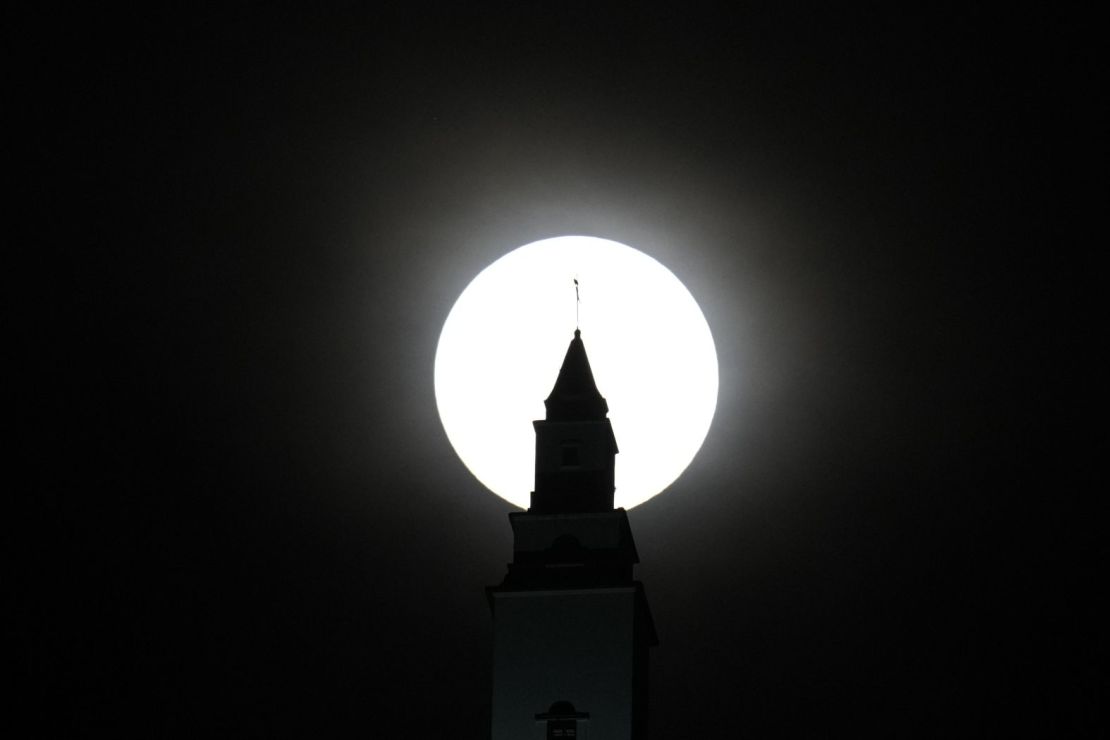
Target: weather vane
x=577, y=301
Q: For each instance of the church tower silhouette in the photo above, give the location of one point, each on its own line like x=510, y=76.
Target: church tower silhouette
x=571, y=626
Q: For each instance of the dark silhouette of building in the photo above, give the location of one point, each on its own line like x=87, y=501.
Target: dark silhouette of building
x=572, y=627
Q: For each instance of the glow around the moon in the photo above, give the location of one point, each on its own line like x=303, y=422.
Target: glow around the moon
x=649, y=345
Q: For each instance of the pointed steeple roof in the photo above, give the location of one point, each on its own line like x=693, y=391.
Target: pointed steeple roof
x=575, y=396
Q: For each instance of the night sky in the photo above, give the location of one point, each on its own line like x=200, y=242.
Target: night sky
x=246, y=228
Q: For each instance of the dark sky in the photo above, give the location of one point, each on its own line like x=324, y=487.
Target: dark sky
x=244, y=517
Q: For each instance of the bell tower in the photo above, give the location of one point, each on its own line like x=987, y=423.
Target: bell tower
x=571, y=625
x=575, y=447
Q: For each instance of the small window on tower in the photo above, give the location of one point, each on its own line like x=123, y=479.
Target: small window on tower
x=562, y=728
x=562, y=721
x=572, y=455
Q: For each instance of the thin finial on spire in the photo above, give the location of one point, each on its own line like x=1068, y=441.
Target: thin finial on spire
x=577, y=301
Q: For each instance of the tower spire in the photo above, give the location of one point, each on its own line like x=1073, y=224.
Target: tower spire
x=575, y=396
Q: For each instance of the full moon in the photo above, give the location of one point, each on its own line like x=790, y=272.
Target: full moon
x=647, y=341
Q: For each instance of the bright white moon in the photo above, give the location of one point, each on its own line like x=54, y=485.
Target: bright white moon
x=648, y=343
